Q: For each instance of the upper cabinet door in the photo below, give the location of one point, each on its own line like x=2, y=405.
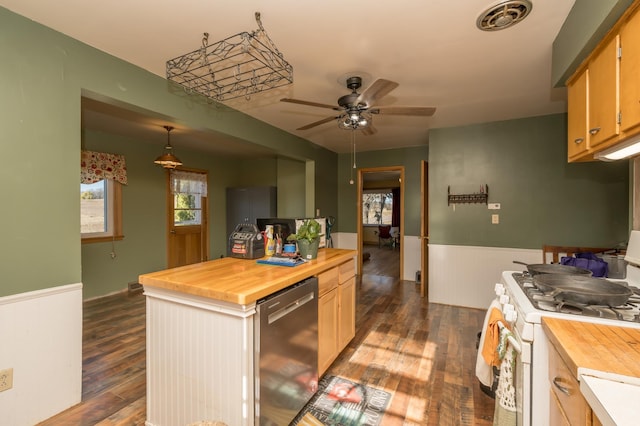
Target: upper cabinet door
x=630, y=74
x=578, y=140
x=603, y=94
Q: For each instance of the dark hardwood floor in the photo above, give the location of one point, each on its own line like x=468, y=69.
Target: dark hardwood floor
x=384, y=261
x=422, y=353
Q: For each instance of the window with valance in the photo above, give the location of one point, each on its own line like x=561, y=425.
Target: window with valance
x=101, y=178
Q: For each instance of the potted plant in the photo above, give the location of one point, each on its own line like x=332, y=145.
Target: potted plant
x=308, y=238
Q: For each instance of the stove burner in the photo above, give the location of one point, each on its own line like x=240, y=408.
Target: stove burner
x=627, y=312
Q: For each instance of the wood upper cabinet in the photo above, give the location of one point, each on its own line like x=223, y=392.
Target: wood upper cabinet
x=604, y=94
x=603, y=100
x=578, y=143
x=630, y=74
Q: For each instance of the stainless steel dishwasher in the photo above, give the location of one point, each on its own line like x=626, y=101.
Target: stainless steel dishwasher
x=286, y=352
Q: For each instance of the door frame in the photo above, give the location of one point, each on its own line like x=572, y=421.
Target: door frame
x=204, y=226
x=424, y=229
x=361, y=173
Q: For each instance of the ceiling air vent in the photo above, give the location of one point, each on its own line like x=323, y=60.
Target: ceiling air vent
x=504, y=15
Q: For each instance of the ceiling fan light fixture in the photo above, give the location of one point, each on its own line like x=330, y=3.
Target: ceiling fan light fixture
x=167, y=159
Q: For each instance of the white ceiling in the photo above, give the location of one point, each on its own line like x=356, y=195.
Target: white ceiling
x=431, y=48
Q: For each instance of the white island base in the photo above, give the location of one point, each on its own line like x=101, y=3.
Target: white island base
x=199, y=360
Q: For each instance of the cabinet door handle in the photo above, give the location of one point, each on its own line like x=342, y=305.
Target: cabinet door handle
x=578, y=141
x=594, y=130
x=565, y=390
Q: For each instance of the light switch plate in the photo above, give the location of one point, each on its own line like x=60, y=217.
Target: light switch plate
x=495, y=219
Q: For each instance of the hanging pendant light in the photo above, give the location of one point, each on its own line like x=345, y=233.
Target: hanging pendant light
x=168, y=160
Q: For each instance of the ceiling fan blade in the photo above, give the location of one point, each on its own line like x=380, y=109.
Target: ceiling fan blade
x=377, y=90
x=369, y=130
x=315, y=104
x=400, y=110
x=317, y=123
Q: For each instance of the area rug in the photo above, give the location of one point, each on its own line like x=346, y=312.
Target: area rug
x=341, y=402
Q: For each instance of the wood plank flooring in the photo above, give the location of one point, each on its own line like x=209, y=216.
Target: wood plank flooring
x=422, y=353
x=383, y=261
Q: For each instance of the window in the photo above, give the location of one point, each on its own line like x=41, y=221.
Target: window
x=377, y=207
x=188, y=189
x=100, y=211
x=101, y=178
x=187, y=209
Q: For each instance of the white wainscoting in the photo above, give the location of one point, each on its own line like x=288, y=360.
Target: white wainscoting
x=41, y=339
x=466, y=275
x=199, y=360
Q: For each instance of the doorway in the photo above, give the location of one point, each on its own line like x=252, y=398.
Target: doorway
x=187, y=224
x=382, y=179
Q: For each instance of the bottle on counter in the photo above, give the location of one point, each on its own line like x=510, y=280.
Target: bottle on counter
x=269, y=241
x=278, y=238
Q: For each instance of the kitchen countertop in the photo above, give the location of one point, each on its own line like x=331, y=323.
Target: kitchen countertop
x=614, y=403
x=606, y=361
x=241, y=281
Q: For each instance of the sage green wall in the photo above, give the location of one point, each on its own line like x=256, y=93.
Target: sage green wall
x=43, y=76
x=544, y=199
x=144, y=212
x=291, y=188
x=586, y=25
x=409, y=158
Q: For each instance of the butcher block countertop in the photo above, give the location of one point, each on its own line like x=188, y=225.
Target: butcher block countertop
x=606, y=361
x=241, y=281
x=608, y=351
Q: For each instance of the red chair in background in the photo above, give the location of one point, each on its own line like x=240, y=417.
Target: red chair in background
x=384, y=235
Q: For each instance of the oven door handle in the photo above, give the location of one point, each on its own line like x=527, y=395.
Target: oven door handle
x=565, y=390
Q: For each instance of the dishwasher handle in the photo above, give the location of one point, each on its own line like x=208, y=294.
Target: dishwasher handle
x=275, y=316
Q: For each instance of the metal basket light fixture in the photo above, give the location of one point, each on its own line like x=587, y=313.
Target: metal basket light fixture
x=240, y=65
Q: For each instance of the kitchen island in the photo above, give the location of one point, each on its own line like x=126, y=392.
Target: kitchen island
x=200, y=334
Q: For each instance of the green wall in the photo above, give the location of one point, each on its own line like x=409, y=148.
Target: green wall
x=144, y=211
x=43, y=76
x=409, y=158
x=544, y=199
x=291, y=188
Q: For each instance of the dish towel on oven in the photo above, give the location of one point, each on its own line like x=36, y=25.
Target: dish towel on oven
x=484, y=371
x=505, y=408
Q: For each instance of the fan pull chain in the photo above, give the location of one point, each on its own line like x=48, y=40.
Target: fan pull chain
x=353, y=155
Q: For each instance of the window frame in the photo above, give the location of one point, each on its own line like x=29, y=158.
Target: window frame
x=114, y=216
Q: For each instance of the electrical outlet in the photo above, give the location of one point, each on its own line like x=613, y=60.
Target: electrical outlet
x=495, y=219
x=6, y=379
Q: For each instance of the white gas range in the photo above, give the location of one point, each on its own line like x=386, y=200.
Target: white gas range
x=524, y=308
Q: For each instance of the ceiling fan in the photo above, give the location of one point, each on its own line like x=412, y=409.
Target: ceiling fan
x=356, y=109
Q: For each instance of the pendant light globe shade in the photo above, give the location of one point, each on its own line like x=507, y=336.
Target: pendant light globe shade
x=167, y=159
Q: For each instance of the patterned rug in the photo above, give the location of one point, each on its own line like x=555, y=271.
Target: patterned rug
x=341, y=402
